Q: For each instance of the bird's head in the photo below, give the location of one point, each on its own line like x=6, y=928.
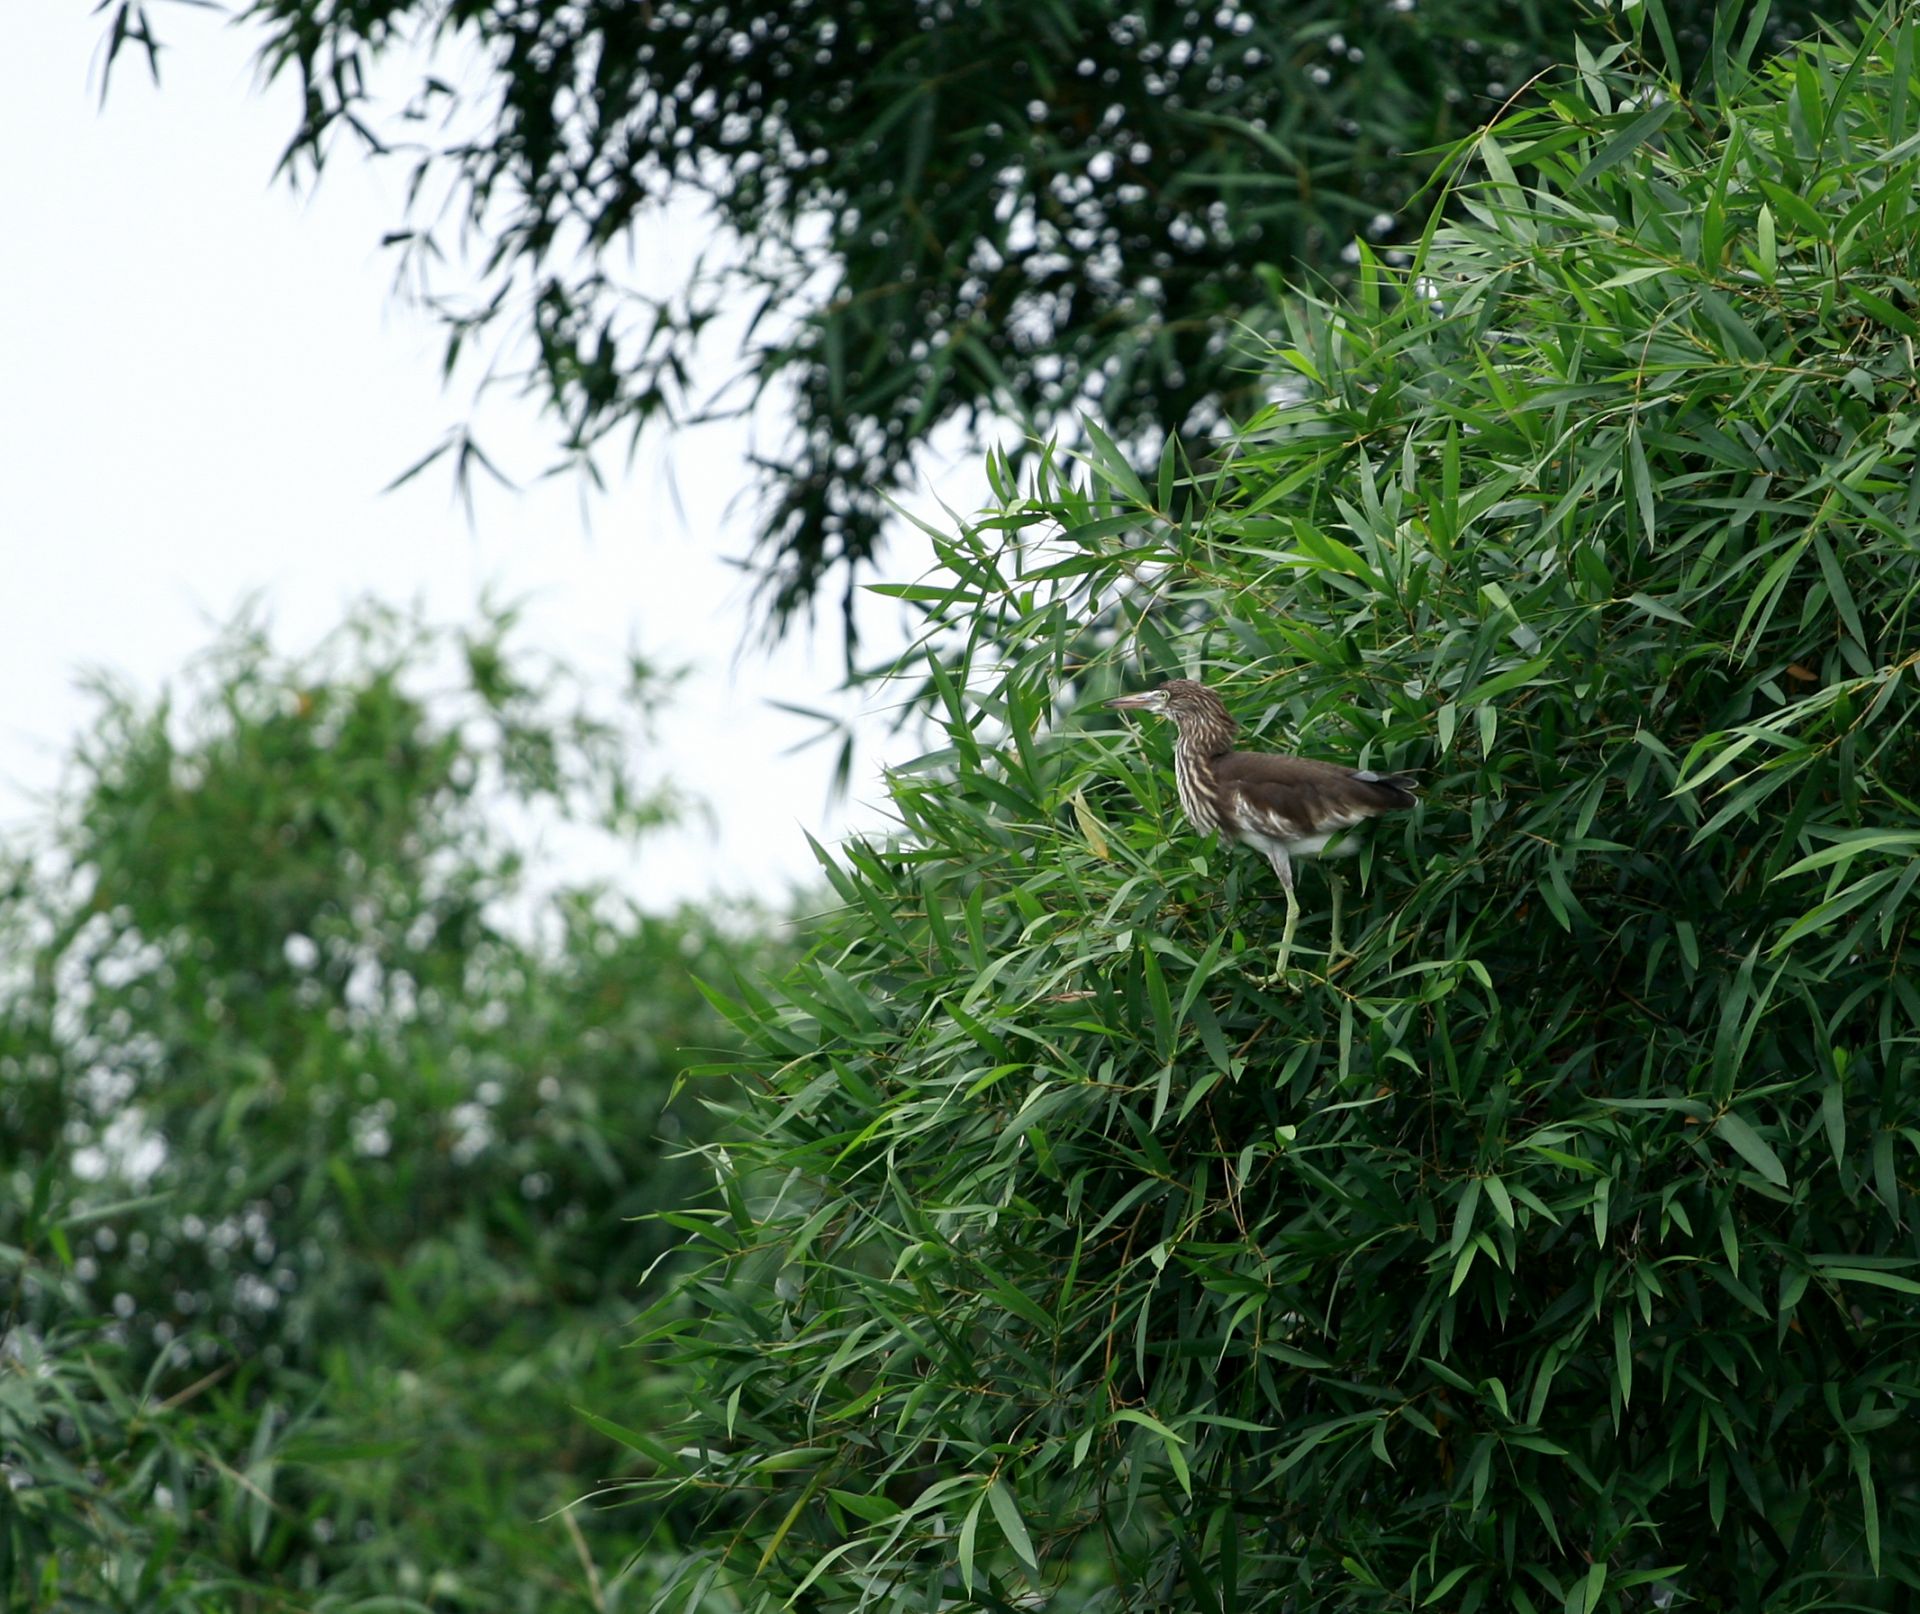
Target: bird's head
x=1181, y=699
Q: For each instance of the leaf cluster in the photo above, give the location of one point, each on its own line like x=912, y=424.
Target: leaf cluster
x=1549, y=1243
x=327, y=1143
x=935, y=211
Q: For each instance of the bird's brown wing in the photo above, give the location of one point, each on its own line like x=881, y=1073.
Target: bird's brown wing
x=1299, y=796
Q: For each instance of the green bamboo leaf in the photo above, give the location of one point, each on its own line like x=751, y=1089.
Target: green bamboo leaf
x=1632, y=277
x=1653, y=607
x=1877, y=1279
x=969, y=1531
x=1115, y=466
x=634, y=1440
x=1796, y=210
x=1751, y=1147
x=1861, y=1463
x=1642, y=483
x=1006, y=1514
x=1625, y=140
x=1884, y=311
x=874, y=1509
x=1165, y=1030
x=1853, y=844
x=1446, y=1583
x=1463, y=1215
x=1837, y=906
x=786, y=1524
x=1172, y=1443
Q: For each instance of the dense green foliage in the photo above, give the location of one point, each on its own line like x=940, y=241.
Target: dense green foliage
x=322, y=1139
x=1553, y=1245
x=936, y=208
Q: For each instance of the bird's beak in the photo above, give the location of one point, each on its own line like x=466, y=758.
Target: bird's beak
x=1130, y=703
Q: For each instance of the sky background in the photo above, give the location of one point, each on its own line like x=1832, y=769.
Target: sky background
x=208, y=382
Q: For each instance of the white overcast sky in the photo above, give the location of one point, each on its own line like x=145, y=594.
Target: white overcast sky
x=205, y=383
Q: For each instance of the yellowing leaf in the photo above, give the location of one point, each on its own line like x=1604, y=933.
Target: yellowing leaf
x=1091, y=828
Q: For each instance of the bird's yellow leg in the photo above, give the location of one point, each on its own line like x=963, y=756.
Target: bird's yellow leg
x=1333, y=924
x=1286, y=935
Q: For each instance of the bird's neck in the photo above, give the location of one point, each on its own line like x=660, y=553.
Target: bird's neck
x=1193, y=756
x=1204, y=743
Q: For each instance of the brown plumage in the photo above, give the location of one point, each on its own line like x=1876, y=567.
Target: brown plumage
x=1284, y=807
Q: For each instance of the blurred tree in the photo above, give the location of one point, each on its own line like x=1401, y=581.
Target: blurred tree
x=938, y=210
x=347, y=1137
x=1555, y=1246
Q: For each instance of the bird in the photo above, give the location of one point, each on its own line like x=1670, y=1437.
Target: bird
x=1284, y=807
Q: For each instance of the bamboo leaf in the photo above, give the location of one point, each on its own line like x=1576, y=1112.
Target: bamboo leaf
x=1751, y=1147
x=1006, y=1514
